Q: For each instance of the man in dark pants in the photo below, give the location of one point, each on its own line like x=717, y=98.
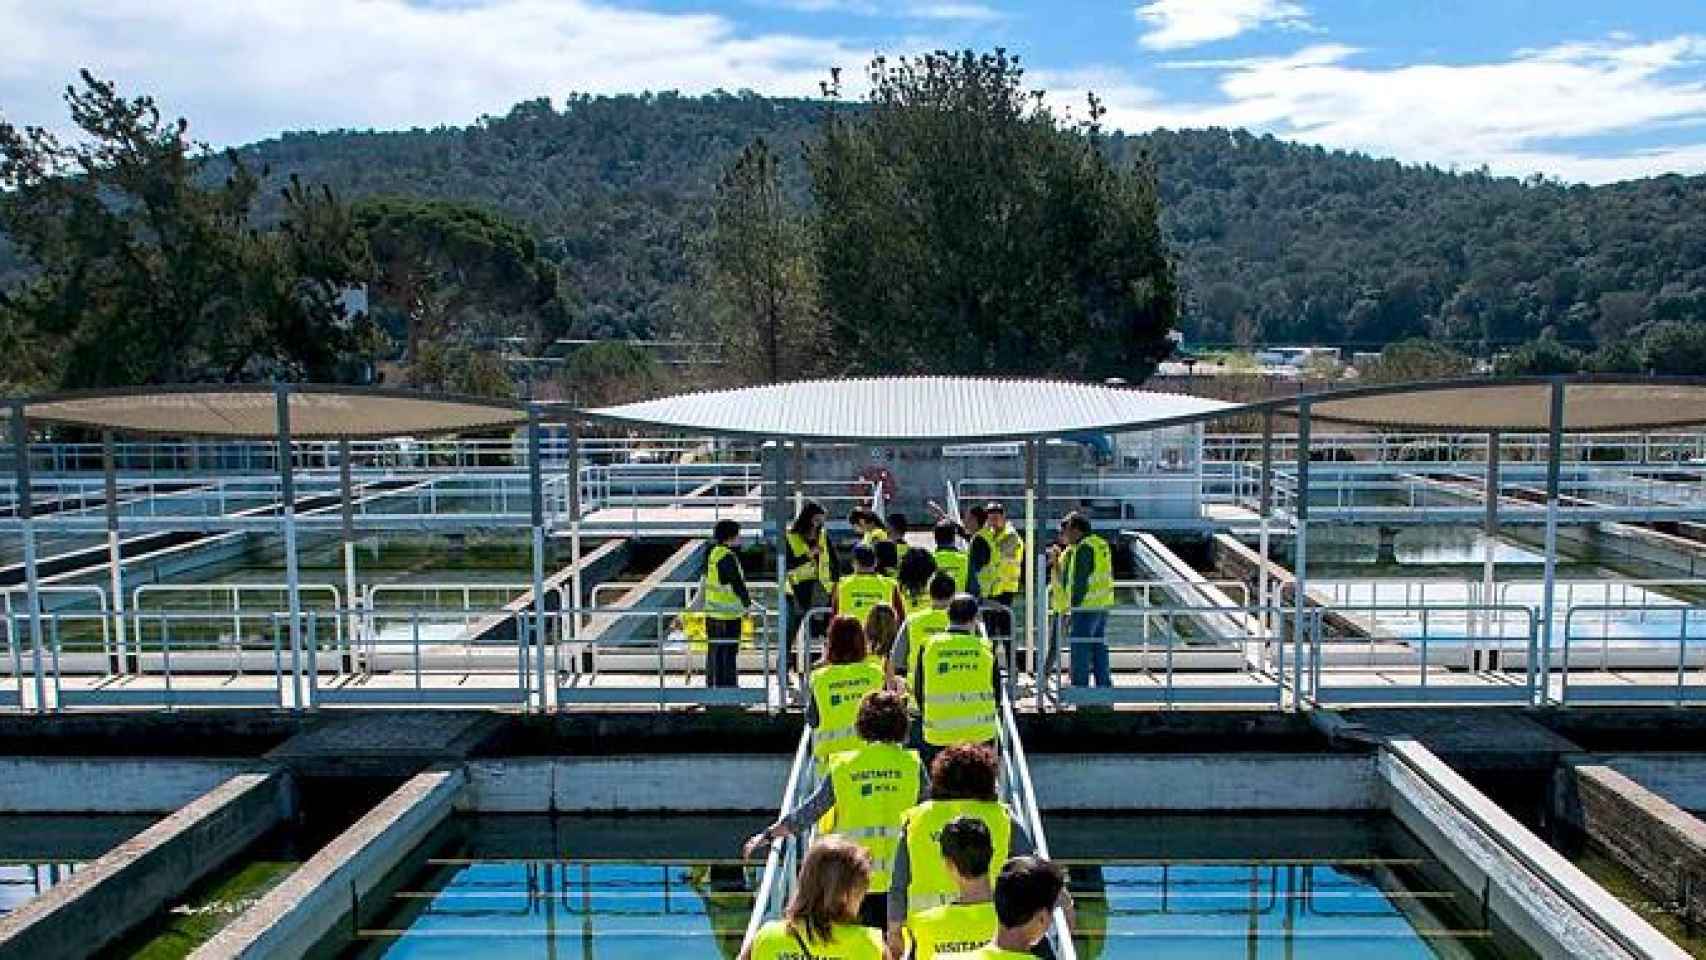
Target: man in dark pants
x=726, y=602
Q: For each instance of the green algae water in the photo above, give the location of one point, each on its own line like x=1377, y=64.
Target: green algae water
x=1188, y=887
x=615, y=888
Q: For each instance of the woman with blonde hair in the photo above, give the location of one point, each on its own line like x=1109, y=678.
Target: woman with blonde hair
x=822, y=919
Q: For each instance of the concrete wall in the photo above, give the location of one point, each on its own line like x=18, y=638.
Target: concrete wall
x=139, y=877
x=710, y=783
x=1679, y=778
x=1524, y=885
x=1206, y=782
x=302, y=910
x=1654, y=839
x=109, y=784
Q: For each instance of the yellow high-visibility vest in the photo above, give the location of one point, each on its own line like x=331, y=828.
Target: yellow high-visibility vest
x=857, y=595
x=1094, y=551
x=806, y=572
x=875, y=785
x=721, y=601
x=919, y=629
x=847, y=941
x=957, y=675
x=1006, y=562
x=955, y=564
x=952, y=931
x=931, y=885
x=838, y=689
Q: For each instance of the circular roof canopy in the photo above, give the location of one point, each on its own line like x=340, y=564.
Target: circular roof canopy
x=1591, y=405
x=913, y=410
x=251, y=412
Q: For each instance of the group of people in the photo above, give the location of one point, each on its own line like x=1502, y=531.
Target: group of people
x=889, y=574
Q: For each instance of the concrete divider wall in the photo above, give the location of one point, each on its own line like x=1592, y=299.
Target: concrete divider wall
x=1206, y=782
x=1662, y=844
x=706, y=783
x=297, y=914
x=1679, y=778
x=109, y=784
x=1524, y=885
x=139, y=877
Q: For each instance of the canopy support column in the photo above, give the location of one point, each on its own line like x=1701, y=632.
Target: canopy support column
x=115, y=559
x=1300, y=557
x=799, y=476
x=1036, y=595
x=779, y=518
x=571, y=609
x=292, y=565
x=1029, y=581
x=535, y=638
x=1554, y=465
x=1265, y=505
x=1489, y=535
x=26, y=519
x=346, y=502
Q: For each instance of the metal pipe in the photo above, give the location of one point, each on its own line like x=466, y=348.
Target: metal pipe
x=1029, y=584
x=1554, y=457
x=1490, y=534
x=1266, y=507
x=25, y=511
x=572, y=612
x=292, y=566
x=779, y=499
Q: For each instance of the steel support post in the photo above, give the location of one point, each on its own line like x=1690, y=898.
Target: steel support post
x=292, y=564
x=1489, y=534
x=1554, y=466
x=536, y=517
x=779, y=518
x=1028, y=586
x=1265, y=505
x=115, y=558
x=346, y=500
x=1300, y=556
x=26, y=520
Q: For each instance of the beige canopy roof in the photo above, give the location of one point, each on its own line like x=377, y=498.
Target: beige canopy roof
x=1525, y=405
x=252, y=412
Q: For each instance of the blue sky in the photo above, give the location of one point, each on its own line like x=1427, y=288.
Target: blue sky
x=1592, y=91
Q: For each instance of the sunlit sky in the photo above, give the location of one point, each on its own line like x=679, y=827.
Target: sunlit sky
x=1585, y=90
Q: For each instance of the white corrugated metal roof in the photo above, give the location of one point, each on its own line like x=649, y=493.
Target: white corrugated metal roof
x=903, y=409
x=252, y=411
x=1590, y=405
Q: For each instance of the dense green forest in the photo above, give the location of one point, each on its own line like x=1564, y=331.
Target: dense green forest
x=1275, y=242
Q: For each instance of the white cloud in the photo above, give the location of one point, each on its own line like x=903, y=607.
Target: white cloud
x=243, y=71
x=1178, y=24
x=952, y=10
x=1531, y=113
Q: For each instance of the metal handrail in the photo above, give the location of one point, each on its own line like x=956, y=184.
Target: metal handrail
x=1605, y=612
x=1022, y=799
x=781, y=863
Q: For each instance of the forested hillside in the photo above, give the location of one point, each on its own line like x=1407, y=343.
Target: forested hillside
x=1276, y=242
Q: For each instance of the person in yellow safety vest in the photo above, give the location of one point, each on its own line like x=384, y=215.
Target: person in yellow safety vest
x=1026, y=895
x=916, y=570
x=821, y=919
x=1087, y=585
x=864, y=588
x=958, y=683
x=812, y=567
x=953, y=930
x=962, y=784
x=866, y=791
x=838, y=685
x=1000, y=578
x=917, y=630
x=950, y=559
x=726, y=602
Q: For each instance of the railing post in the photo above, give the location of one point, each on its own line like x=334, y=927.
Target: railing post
x=1554, y=458
x=1300, y=558
x=115, y=561
x=26, y=519
x=292, y=568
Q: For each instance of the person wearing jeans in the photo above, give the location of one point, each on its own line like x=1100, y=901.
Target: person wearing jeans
x=1087, y=578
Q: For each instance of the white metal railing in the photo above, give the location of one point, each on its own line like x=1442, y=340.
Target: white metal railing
x=782, y=861
x=1021, y=798
x=1660, y=655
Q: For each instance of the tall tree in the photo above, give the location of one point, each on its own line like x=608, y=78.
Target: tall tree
x=457, y=270
x=962, y=227
x=762, y=285
x=147, y=267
